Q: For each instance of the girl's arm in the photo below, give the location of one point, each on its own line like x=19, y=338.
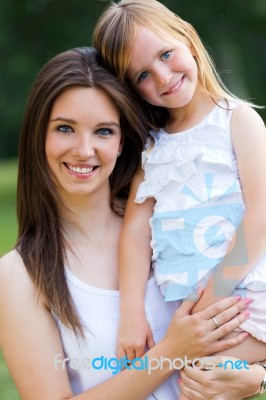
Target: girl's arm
x=134, y=267
x=240, y=382
x=249, y=140
x=30, y=341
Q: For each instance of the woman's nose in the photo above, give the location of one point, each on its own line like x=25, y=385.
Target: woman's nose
x=84, y=146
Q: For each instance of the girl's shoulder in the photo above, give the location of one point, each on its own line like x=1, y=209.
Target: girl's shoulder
x=243, y=111
x=246, y=122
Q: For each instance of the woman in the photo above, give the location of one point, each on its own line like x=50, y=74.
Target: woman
x=59, y=304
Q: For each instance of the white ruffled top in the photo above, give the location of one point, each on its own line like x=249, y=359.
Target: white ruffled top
x=194, y=179
x=186, y=156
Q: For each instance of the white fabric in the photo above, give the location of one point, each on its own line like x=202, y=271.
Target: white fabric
x=99, y=312
x=194, y=179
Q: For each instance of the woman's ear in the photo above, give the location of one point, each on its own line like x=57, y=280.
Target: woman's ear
x=120, y=149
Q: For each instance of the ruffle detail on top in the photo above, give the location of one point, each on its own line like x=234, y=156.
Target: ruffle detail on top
x=172, y=161
x=161, y=174
x=175, y=156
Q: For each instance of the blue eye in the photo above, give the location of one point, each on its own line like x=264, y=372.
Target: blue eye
x=64, y=129
x=143, y=76
x=104, y=132
x=166, y=55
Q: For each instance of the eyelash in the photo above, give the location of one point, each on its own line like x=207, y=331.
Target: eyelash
x=141, y=78
x=65, y=129
x=109, y=132
x=61, y=128
x=166, y=52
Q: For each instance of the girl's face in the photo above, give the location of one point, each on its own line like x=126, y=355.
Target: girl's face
x=164, y=73
x=83, y=141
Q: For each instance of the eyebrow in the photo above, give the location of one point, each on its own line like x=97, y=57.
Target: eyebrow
x=64, y=119
x=108, y=123
x=72, y=121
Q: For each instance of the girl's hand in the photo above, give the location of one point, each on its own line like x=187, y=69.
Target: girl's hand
x=196, y=335
x=134, y=337
x=220, y=383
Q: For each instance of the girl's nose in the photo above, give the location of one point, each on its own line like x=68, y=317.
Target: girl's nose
x=163, y=77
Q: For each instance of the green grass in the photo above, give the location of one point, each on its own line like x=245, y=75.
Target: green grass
x=8, y=234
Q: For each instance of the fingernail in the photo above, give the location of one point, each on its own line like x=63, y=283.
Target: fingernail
x=238, y=298
x=246, y=313
x=179, y=380
x=247, y=300
x=245, y=334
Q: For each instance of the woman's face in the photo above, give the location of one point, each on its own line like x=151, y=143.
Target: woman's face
x=83, y=141
x=162, y=71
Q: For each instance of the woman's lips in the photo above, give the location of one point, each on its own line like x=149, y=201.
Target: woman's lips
x=80, y=169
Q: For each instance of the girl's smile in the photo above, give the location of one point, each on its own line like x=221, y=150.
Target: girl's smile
x=163, y=72
x=174, y=88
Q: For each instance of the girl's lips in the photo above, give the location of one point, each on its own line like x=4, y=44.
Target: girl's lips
x=174, y=88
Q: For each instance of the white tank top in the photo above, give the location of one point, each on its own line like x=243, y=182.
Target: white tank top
x=93, y=360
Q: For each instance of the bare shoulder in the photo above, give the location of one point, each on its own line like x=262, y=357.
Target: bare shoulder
x=16, y=286
x=13, y=272
x=29, y=337
x=246, y=121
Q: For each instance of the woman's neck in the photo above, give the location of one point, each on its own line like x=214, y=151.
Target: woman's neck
x=80, y=215
x=92, y=234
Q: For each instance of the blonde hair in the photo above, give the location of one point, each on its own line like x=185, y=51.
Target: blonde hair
x=117, y=28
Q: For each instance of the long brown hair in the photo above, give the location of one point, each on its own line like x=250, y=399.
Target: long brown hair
x=40, y=239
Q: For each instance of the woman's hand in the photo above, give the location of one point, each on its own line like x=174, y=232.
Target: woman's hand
x=196, y=335
x=220, y=383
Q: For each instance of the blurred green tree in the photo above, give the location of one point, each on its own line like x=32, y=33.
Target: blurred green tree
x=32, y=31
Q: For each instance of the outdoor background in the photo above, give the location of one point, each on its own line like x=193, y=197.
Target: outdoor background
x=32, y=31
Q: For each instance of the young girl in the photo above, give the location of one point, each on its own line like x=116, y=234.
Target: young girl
x=201, y=188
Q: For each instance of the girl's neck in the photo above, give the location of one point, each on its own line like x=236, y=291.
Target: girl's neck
x=183, y=118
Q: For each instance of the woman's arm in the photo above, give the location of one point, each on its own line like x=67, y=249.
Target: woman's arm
x=224, y=382
x=30, y=341
x=134, y=267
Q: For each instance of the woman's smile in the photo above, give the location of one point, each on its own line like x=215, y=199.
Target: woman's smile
x=82, y=141
x=81, y=171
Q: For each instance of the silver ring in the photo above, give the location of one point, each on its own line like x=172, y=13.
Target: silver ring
x=215, y=323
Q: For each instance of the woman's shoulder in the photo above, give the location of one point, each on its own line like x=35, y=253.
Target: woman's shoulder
x=14, y=278
x=10, y=262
